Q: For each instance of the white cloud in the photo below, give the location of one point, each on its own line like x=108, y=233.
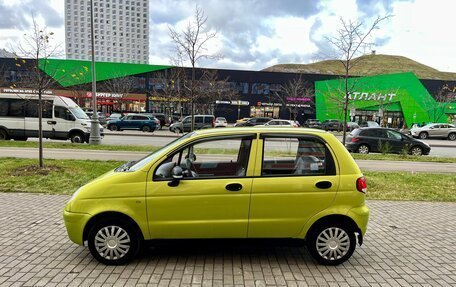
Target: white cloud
x=423, y=31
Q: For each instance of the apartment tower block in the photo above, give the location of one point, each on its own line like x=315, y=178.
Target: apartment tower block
x=121, y=30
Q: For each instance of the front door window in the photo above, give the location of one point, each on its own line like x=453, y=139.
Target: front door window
x=212, y=199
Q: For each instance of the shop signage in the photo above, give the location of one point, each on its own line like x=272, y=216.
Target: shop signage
x=233, y=103
x=363, y=96
x=299, y=99
x=106, y=95
x=25, y=91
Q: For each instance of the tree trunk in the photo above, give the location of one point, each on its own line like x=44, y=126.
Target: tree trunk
x=40, y=129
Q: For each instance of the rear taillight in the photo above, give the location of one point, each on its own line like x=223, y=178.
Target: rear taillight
x=361, y=185
x=353, y=140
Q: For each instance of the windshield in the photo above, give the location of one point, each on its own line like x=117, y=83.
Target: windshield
x=78, y=113
x=144, y=161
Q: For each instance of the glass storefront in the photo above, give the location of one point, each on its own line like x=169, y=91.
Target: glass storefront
x=272, y=112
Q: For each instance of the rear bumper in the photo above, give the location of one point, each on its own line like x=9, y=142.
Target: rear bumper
x=361, y=216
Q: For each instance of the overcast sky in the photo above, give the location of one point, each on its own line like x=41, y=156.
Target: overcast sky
x=256, y=34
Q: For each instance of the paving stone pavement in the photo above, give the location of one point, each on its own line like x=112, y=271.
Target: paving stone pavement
x=407, y=244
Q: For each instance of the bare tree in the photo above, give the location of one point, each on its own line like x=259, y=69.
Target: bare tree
x=210, y=88
x=294, y=94
x=37, y=47
x=191, y=44
x=121, y=84
x=349, y=43
x=167, y=85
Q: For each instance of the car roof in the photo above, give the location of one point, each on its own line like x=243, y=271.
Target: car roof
x=256, y=129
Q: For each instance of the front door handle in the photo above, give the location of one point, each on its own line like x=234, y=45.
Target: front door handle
x=234, y=187
x=323, y=184
x=51, y=122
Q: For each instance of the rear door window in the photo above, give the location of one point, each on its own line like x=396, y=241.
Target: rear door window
x=296, y=156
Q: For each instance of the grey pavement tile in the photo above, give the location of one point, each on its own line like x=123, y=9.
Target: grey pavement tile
x=406, y=245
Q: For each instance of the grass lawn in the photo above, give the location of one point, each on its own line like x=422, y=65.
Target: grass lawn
x=65, y=176
x=66, y=145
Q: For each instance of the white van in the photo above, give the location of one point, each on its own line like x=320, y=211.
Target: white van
x=62, y=118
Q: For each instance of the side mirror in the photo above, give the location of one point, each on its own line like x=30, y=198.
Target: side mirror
x=177, y=175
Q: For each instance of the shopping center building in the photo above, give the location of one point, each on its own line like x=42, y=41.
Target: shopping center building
x=125, y=87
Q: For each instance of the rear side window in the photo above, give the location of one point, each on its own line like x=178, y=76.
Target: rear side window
x=296, y=156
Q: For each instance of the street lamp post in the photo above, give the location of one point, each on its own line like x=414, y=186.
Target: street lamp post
x=95, y=137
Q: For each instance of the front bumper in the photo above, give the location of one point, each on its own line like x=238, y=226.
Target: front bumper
x=75, y=223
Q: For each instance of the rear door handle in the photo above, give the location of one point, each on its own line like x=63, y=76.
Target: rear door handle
x=51, y=122
x=323, y=184
x=233, y=187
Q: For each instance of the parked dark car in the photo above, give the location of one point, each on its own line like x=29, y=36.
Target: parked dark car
x=135, y=122
x=332, y=125
x=160, y=116
x=253, y=122
x=385, y=140
x=312, y=123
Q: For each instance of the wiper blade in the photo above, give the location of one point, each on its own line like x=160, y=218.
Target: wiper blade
x=125, y=166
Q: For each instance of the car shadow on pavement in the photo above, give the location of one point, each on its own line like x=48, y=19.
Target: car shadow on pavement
x=221, y=247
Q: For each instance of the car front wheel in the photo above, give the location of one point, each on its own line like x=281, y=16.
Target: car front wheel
x=452, y=136
x=363, y=149
x=331, y=243
x=113, y=243
x=423, y=135
x=416, y=150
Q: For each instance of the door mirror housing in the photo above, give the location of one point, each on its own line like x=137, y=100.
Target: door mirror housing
x=177, y=174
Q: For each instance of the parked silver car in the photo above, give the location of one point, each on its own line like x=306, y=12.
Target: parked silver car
x=435, y=131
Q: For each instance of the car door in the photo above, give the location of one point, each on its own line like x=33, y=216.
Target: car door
x=31, y=118
x=434, y=131
x=212, y=199
x=295, y=178
x=125, y=122
x=395, y=141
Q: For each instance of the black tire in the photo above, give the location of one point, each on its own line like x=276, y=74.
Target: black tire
x=146, y=129
x=363, y=149
x=331, y=250
x=120, y=244
x=452, y=136
x=416, y=150
x=3, y=135
x=113, y=127
x=77, y=137
x=423, y=135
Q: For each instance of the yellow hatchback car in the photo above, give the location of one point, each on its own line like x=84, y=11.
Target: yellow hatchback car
x=258, y=182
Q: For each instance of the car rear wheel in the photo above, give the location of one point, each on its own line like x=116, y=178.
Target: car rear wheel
x=113, y=127
x=331, y=243
x=363, y=149
x=145, y=129
x=113, y=243
x=423, y=135
x=452, y=136
x=416, y=150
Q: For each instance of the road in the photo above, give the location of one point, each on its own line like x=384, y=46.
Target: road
x=439, y=148
x=365, y=165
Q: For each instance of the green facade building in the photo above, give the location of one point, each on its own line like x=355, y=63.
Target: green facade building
x=389, y=99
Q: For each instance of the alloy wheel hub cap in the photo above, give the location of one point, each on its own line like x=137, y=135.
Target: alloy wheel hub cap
x=333, y=243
